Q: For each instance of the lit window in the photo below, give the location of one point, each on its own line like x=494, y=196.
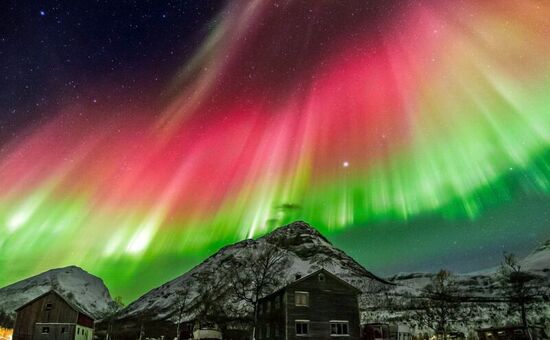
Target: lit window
x=45, y=330
x=301, y=298
x=339, y=328
x=302, y=327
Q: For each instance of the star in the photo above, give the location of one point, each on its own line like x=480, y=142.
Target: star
x=42, y=13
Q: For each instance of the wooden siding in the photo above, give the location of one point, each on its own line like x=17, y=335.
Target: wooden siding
x=274, y=317
x=37, y=312
x=329, y=299
x=56, y=331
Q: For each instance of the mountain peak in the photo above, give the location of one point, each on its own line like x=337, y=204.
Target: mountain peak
x=305, y=248
x=297, y=229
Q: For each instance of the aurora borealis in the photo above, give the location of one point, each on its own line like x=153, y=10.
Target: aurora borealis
x=364, y=118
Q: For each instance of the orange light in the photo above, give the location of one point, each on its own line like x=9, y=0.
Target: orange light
x=5, y=333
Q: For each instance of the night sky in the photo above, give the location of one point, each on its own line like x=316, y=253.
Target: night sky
x=138, y=137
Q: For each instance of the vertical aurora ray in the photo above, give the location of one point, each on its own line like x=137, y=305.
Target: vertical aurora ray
x=440, y=108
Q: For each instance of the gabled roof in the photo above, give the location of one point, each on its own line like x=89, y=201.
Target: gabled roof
x=67, y=301
x=324, y=271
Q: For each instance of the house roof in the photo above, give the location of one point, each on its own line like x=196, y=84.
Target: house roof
x=324, y=271
x=67, y=301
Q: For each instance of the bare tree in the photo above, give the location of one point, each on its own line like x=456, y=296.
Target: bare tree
x=519, y=287
x=440, y=305
x=117, y=304
x=181, y=305
x=210, y=305
x=258, y=275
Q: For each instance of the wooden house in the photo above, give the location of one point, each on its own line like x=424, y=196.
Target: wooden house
x=318, y=306
x=51, y=316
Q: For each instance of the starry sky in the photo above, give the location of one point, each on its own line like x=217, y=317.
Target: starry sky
x=138, y=137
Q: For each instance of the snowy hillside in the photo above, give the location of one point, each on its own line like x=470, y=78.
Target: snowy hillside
x=307, y=250
x=81, y=288
x=539, y=260
x=483, y=284
x=479, y=283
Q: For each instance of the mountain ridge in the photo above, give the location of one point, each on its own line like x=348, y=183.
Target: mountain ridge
x=305, y=247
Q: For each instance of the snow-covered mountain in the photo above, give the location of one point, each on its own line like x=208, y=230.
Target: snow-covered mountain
x=306, y=249
x=81, y=288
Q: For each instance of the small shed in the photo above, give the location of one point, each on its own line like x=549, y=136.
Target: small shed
x=52, y=316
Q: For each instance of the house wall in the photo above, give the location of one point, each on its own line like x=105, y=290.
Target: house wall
x=328, y=300
x=83, y=333
x=57, y=331
x=36, y=312
x=274, y=317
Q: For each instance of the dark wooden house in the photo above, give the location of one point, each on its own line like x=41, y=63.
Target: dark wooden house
x=318, y=306
x=51, y=316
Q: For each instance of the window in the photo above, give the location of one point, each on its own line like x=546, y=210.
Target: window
x=339, y=328
x=276, y=330
x=302, y=327
x=321, y=277
x=301, y=298
x=78, y=331
x=49, y=306
x=268, y=309
x=267, y=331
x=62, y=330
x=45, y=330
x=277, y=302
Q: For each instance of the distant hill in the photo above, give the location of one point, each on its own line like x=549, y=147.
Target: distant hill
x=539, y=260
x=484, y=284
